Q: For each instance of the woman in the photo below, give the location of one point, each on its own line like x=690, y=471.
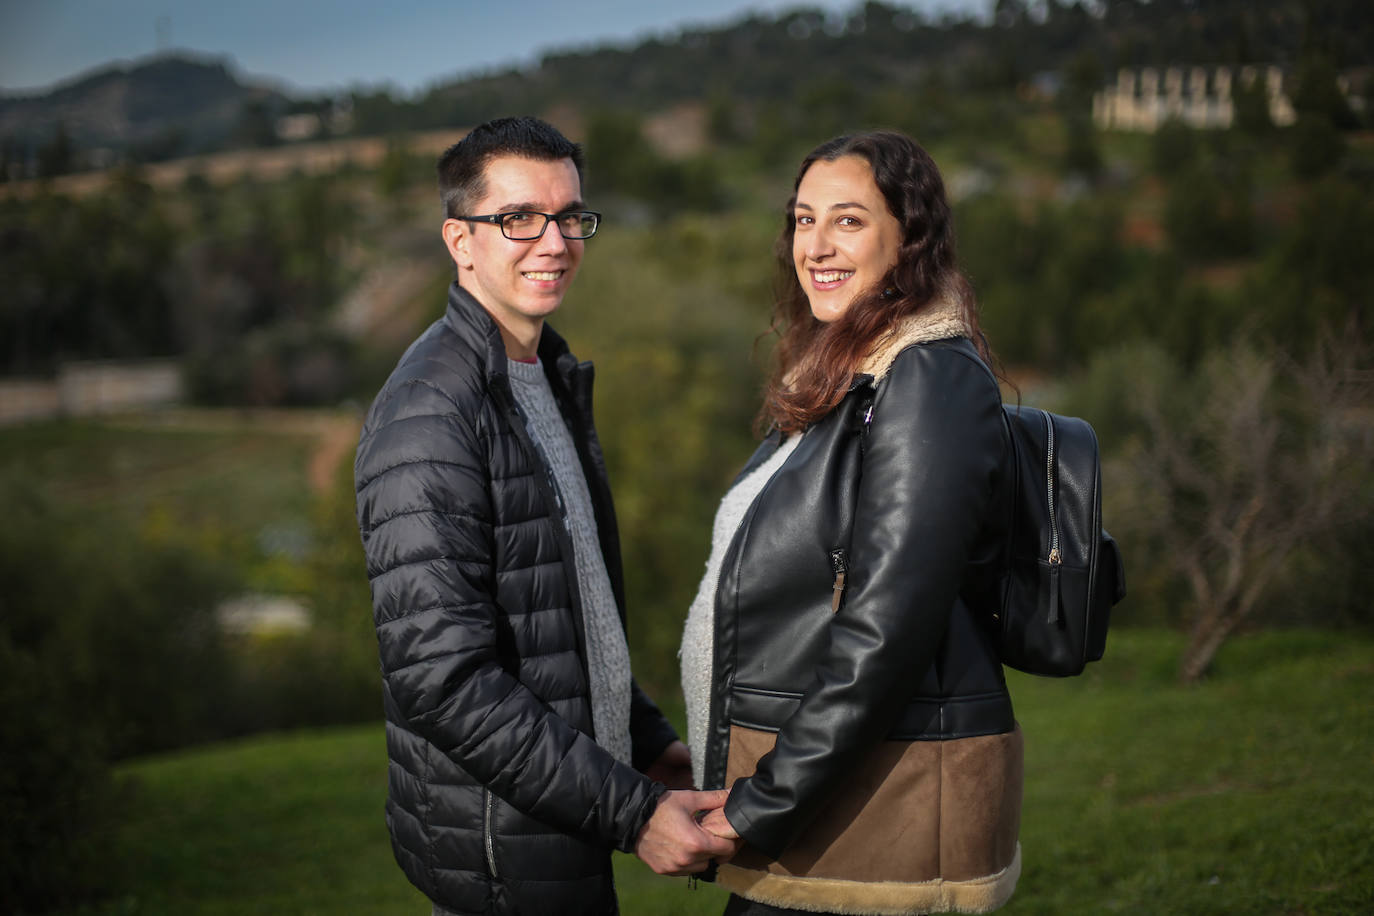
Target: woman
x=835, y=675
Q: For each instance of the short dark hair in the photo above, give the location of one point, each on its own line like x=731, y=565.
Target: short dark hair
x=462, y=167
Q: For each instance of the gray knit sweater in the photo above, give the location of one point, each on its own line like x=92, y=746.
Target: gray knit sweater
x=608, y=655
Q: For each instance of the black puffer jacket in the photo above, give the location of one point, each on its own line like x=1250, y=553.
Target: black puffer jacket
x=500, y=801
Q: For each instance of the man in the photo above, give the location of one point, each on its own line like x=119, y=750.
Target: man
x=521, y=751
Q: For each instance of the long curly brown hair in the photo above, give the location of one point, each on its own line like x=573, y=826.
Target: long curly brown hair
x=815, y=361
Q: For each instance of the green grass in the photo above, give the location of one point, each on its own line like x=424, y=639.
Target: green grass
x=1247, y=794
x=203, y=468
x=1250, y=793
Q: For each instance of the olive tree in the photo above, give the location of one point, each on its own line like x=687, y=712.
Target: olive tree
x=1240, y=465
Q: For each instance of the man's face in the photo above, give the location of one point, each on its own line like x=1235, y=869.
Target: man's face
x=519, y=283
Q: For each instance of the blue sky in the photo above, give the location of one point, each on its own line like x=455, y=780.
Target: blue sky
x=315, y=44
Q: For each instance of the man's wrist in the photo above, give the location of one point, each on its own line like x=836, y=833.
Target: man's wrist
x=646, y=812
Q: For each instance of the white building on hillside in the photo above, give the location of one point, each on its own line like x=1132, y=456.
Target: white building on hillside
x=1144, y=99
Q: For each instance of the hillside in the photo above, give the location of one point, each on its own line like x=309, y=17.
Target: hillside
x=794, y=66
x=172, y=102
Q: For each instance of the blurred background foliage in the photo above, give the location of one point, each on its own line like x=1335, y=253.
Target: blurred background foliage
x=1148, y=282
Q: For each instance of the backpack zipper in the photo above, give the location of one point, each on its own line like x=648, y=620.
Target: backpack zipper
x=1055, y=558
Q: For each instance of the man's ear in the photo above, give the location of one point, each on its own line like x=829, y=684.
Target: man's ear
x=457, y=239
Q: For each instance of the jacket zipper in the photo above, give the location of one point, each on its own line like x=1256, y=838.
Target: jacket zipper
x=1055, y=558
x=503, y=395
x=839, y=562
x=488, y=839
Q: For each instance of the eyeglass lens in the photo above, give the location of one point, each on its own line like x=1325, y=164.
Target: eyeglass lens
x=523, y=226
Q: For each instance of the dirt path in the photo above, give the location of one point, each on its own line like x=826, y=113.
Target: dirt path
x=335, y=442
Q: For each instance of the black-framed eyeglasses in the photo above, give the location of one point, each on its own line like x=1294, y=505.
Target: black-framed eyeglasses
x=528, y=225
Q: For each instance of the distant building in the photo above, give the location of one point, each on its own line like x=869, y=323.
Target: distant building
x=96, y=387
x=299, y=127
x=336, y=119
x=1142, y=100
x=85, y=389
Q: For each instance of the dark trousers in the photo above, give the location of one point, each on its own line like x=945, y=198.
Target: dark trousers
x=738, y=906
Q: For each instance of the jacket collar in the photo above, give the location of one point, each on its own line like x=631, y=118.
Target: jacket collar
x=467, y=318
x=943, y=318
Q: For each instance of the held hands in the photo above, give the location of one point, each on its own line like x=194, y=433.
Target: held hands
x=675, y=842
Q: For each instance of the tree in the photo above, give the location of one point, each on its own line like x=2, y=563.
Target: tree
x=1317, y=92
x=57, y=156
x=1081, y=156
x=1209, y=212
x=1251, y=459
x=1174, y=148
x=11, y=159
x=107, y=649
x=255, y=127
x=1317, y=146
x=1251, y=105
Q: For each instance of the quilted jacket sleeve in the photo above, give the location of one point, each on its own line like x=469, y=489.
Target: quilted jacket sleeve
x=929, y=468
x=426, y=518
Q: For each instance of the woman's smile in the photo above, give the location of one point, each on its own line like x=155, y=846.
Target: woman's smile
x=829, y=279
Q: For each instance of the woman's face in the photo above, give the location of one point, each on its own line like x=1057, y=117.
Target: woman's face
x=846, y=240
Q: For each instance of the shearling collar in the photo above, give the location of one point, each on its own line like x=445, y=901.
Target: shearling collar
x=942, y=319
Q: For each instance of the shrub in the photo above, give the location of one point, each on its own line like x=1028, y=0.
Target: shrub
x=55, y=785
x=107, y=649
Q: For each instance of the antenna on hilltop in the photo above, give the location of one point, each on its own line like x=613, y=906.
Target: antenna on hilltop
x=162, y=31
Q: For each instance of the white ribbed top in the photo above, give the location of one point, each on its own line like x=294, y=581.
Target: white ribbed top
x=698, y=635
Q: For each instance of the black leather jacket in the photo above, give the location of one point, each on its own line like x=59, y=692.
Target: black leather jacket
x=499, y=799
x=907, y=507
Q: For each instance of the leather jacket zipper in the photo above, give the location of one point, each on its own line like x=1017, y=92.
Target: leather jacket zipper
x=839, y=564
x=488, y=839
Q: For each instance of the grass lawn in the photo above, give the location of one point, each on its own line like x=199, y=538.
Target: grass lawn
x=1248, y=794
x=211, y=468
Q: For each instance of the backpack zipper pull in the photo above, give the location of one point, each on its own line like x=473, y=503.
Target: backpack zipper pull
x=1055, y=565
x=839, y=564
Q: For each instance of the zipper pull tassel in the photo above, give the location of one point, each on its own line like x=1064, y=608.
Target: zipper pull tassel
x=1055, y=565
x=841, y=567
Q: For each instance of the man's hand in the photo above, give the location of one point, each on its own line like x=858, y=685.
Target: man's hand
x=673, y=767
x=674, y=843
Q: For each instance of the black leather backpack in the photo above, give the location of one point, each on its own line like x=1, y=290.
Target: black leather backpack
x=1062, y=571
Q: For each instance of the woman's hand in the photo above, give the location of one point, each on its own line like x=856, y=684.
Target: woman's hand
x=715, y=822
x=674, y=842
